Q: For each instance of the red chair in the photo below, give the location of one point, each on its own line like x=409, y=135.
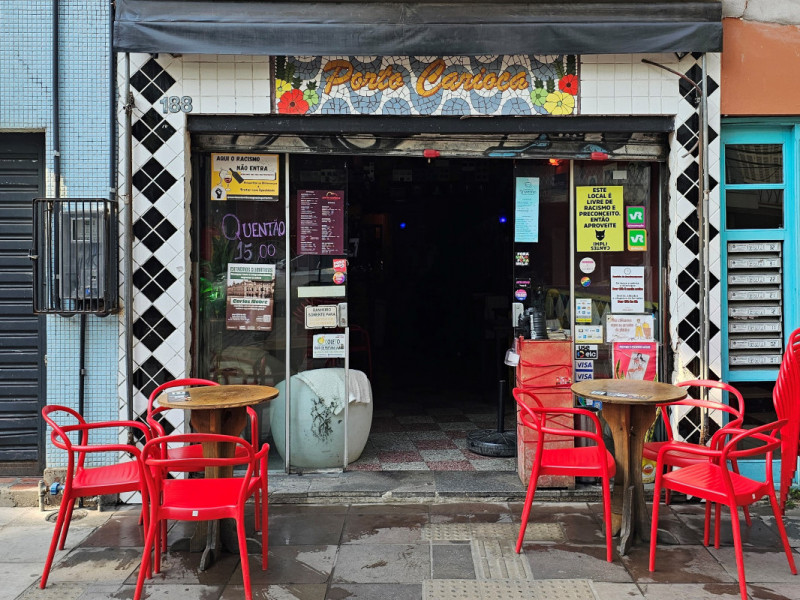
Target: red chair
x=716, y=483
x=196, y=451
x=202, y=499
x=786, y=399
x=82, y=481
x=586, y=461
x=677, y=457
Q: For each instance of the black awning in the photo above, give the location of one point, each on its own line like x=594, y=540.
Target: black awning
x=425, y=27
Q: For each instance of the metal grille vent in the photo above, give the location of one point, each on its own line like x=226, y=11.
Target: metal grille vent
x=74, y=256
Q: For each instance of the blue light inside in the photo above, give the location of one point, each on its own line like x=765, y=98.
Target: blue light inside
x=402, y=225
x=503, y=219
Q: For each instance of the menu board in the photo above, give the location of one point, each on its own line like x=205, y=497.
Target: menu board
x=320, y=222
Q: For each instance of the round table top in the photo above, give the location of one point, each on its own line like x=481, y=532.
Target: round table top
x=209, y=397
x=628, y=391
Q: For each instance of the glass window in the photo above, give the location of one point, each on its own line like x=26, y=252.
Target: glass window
x=754, y=209
x=753, y=163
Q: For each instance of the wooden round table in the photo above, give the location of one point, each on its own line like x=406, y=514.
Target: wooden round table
x=629, y=408
x=217, y=409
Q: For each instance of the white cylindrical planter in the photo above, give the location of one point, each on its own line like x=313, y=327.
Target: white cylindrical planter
x=317, y=418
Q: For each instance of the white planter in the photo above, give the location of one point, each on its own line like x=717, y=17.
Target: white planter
x=317, y=418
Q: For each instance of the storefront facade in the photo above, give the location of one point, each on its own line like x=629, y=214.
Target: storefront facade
x=571, y=112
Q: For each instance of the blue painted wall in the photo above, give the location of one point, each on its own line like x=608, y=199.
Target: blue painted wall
x=26, y=100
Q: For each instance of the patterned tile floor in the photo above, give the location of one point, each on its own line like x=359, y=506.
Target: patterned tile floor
x=430, y=434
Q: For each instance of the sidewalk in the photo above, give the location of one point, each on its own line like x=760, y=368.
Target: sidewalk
x=332, y=541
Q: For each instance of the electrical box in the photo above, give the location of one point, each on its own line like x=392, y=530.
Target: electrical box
x=75, y=256
x=82, y=238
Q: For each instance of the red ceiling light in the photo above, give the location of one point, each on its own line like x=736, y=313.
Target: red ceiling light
x=599, y=156
x=555, y=161
x=428, y=153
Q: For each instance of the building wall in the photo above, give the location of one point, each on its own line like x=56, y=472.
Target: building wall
x=610, y=85
x=26, y=100
x=759, y=67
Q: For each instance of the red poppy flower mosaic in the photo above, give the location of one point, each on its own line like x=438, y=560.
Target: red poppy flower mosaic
x=292, y=103
x=569, y=84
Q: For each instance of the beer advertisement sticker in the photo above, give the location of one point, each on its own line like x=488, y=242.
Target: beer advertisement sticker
x=245, y=177
x=600, y=218
x=627, y=289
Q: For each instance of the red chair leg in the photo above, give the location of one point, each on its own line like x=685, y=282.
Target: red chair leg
x=144, y=568
x=248, y=593
x=654, y=523
x=718, y=523
x=264, y=524
x=782, y=530
x=526, y=509
x=707, y=525
x=62, y=513
x=737, y=545
x=65, y=524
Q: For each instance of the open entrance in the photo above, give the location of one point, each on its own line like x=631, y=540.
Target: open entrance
x=430, y=274
x=428, y=291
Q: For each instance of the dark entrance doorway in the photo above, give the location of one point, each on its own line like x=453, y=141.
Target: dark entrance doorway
x=430, y=278
x=21, y=331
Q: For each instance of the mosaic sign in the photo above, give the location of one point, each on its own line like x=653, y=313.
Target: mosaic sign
x=428, y=85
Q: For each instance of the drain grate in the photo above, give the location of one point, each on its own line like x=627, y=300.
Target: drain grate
x=547, y=589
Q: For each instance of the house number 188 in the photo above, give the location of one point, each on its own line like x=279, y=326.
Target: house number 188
x=174, y=104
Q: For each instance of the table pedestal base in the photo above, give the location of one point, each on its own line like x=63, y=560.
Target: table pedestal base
x=629, y=515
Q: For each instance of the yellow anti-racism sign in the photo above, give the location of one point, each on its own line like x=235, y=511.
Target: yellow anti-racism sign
x=244, y=177
x=600, y=217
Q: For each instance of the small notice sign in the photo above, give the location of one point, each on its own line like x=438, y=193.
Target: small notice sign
x=245, y=177
x=318, y=317
x=627, y=289
x=599, y=218
x=328, y=345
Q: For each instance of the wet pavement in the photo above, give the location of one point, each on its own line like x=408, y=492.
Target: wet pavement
x=412, y=546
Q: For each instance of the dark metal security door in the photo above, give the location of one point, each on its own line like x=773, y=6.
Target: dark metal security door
x=22, y=345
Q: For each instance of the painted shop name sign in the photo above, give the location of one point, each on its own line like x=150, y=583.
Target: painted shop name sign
x=433, y=78
x=403, y=85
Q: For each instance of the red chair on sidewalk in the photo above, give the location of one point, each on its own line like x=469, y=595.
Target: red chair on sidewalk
x=786, y=399
x=202, y=499
x=677, y=457
x=713, y=481
x=75, y=436
x=585, y=461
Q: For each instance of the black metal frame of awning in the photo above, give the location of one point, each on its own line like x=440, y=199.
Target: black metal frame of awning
x=424, y=27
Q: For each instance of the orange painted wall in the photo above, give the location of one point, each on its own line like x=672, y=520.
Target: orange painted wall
x=760, y=69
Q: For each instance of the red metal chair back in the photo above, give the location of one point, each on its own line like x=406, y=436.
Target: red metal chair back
x=583, y=461
x=202, y=499
x=714, y=482
x=73, y=434
x=786, y=399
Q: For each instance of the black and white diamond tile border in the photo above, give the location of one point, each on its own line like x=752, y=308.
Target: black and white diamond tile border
x=684, y=273
x=159, y=249
x=159, y=167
